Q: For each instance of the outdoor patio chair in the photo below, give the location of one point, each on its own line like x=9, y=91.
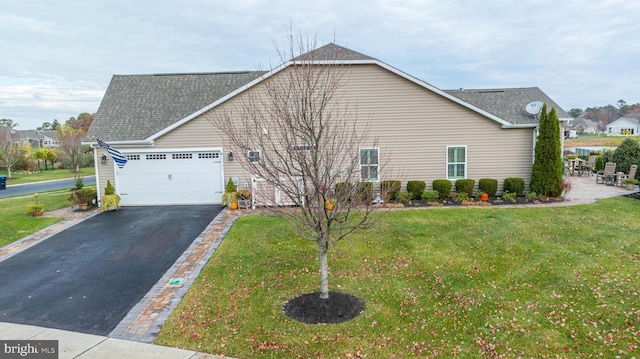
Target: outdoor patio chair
x=589, y=165
x=607, y=173
x=631, y=174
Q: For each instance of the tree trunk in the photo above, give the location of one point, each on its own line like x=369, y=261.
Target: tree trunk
x=323, y=246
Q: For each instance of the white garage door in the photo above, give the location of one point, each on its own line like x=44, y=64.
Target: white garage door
x=180, y=177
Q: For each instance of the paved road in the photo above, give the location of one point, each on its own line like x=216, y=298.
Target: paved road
x=13, y=190
x=88, y=277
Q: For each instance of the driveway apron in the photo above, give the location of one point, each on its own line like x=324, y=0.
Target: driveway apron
x=87, y=277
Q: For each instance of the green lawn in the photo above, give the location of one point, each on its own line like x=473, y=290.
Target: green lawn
x=14, y=222
x=593, y=140
x=20, y=177
x=465, y=283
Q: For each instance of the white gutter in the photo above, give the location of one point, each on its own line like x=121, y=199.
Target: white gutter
x=144, y=143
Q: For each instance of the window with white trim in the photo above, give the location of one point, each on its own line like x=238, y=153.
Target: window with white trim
x=369, y=164
x=456, y=162
x=254, y=156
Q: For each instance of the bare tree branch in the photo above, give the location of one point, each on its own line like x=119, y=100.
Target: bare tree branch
x=308, y=137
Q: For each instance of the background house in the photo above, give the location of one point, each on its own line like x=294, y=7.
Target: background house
x=583, y=125
x=38, y=138
x=423, y=133
x=627, y=125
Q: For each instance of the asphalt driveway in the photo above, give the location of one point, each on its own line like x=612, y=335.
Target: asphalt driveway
x=87, y=277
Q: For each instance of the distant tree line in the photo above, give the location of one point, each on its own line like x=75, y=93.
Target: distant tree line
x=605, y=114
x=83, y=122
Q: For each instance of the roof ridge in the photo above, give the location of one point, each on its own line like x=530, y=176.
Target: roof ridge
x=191, y=73
x=332, y=51
x=493, y=89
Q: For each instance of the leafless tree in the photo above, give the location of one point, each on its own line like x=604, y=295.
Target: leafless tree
x=11, y=147
x=304, y=138
x=71, y=146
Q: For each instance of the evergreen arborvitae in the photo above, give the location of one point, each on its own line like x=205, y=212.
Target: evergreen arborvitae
x=546, y=174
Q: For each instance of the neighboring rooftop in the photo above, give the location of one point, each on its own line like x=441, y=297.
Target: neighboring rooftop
x=508, y=103
x=633, y=117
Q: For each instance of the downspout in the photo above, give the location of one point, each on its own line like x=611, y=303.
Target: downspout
x=535, y=139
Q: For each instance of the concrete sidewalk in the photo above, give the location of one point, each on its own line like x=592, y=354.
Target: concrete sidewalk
x=88, y=346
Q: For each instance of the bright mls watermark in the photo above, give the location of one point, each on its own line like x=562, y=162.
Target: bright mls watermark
x=30, y=349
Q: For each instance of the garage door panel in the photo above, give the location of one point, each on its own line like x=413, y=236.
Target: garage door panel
x=171, y=178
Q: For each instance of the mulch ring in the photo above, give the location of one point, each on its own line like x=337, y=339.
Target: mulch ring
x=309, y=308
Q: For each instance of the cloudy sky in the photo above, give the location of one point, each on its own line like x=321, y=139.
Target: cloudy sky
x=57, y=57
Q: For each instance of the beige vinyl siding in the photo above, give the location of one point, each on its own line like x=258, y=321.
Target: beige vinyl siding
x=416, y=125
x=105, y=172
x=413, y=127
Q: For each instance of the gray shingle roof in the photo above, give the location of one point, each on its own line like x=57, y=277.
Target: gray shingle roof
x=633, y=116
x=333, y=52
x=582, y=122
x=135, y=107
x=508, y=103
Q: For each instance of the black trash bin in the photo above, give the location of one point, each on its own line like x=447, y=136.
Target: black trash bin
x=3, y=182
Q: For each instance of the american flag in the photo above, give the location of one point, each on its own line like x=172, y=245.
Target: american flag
x=117, y=156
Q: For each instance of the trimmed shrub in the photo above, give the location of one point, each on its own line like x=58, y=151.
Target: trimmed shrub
x=109, y=190
x=416, y=188
x=460, y=196
x=390, y=189
x=443, y=187
x=86, y=195
x=343, y=191
x=465, y=186
x=33, y=209
x=488, y=186
x=509, y=196
x=532, y=196
x=404, y=197
x=360, y=192
x=514, y=185
x=430, y=195
x=230, y=186
x=626, y=155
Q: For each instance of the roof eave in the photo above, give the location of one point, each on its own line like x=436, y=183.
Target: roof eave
x=521, y=125
x=136, y=143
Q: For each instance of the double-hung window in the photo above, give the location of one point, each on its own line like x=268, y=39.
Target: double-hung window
x=369, y=164
x=254, y=156
x=456, y=162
